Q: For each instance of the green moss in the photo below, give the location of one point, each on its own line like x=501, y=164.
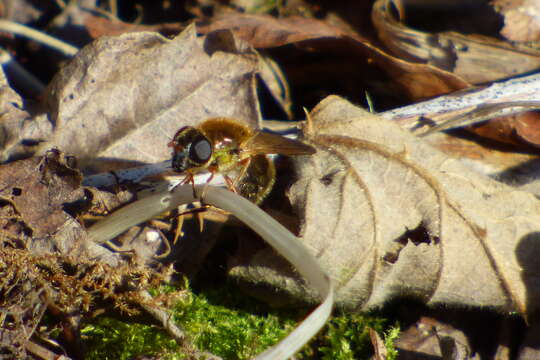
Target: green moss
x=347, y=337
x=233, y=326
x=231, y=332
x=109, y=338
x=390, y=338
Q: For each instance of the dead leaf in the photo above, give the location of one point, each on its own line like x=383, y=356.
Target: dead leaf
x=39, y=198
x=521, y=19
x=502, y=103
x=527, y=127
x=39, y=189
x=476, y=59
x=276, y=83
x=378, y=345
x=264, y=31
x=98, y=26
x=429, y=337
x=389, y=216
x=21, y=11
x=124, y=97
x=513, y=130
x=46, y=259
x=261, y=31
x=13, y=121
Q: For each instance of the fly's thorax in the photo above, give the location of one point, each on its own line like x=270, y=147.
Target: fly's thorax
x=226, y=158
x=225, y=130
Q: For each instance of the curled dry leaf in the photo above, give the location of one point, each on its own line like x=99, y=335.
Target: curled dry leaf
x=388, y=216
x=418, y=80
x=124, y=97
x=276, y=83
x=475, y=59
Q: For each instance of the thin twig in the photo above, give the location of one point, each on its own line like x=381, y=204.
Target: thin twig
x=43, y=353
x=164, y=317
x=12, y=27
x=470, y=106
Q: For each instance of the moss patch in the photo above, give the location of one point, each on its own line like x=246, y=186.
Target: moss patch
x=233, y=326
x=109, y=338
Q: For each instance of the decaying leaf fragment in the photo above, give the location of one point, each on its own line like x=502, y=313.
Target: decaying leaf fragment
x=419, y=81
x=476, y=59
x=520, y=19
x=40, y=198
x=389, y=216
x=39, y=189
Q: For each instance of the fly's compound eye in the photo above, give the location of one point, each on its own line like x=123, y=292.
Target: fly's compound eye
x=200, y=150
x=191, y=149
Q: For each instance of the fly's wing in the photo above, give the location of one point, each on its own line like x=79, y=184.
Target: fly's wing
x=268, y=143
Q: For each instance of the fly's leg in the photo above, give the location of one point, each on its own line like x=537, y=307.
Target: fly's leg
x=230, y=184
x=205, y=188
x=198, y=212
x=167, y=244
x=190, y=179
x=234, y=184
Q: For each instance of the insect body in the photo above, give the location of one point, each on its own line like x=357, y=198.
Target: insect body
x=227, y=147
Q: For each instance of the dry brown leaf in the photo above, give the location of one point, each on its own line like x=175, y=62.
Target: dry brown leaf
x=418, y=80
x=388, y=216
x=527, y=127
x=98, y=26
x=39, y=198
x=46, y=260
x=39, y=188
x=433, y=338
x=378, y=345
x=521, y=19
x=475, y=59
x=124, y=97
x=515, y=130
x=264, y=31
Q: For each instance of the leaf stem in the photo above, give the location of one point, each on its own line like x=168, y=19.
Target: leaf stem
x=288, y=245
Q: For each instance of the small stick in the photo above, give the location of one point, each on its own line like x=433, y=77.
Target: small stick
x=469, y=106
x=18, y=29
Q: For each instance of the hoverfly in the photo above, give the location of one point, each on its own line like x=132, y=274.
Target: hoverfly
x=225, y=146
